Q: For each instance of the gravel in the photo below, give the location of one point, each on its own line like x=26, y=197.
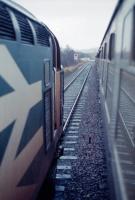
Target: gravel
x=90, y=172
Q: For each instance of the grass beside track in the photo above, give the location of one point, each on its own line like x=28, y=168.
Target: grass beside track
x=71, y=69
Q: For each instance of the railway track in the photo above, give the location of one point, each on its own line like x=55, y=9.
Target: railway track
x=74, y=103
x=72, y=89
x=73, y=75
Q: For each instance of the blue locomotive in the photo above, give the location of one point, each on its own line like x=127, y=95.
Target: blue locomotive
x=31, y=101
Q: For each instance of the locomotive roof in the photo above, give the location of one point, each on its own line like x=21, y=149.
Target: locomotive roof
x=19, y=8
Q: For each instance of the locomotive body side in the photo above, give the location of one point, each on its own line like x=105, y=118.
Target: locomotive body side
x=28, y=136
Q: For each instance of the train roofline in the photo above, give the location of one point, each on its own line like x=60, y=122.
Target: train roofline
x=20, y=8
x=13, y=5
x=112, y=18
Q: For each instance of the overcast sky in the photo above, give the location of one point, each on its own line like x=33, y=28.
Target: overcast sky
x=79, y=23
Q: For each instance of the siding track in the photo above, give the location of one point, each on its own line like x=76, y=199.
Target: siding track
x=74, y=103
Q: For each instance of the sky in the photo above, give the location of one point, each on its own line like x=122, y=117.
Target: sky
x=81, y=24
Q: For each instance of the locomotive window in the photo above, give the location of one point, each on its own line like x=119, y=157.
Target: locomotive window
x=48, y=118
x=127, y=36
x=47, y=72
x=111, y=46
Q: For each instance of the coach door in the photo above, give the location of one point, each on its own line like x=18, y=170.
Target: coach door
x=47, y=103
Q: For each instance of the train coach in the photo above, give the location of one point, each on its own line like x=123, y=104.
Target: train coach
x=31, y=101
x=115, y=62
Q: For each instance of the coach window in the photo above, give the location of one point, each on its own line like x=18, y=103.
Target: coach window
x=111, y=46
x=98, y=56
x=127, y=36
x=102, y=53
x=105, y=46
x=133, y=44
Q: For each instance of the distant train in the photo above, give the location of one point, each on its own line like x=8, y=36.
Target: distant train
x=115, y=61
x=31, y=101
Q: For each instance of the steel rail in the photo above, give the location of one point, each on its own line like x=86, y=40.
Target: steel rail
x=75, y=102
x=73, y=74
x=70, y=82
